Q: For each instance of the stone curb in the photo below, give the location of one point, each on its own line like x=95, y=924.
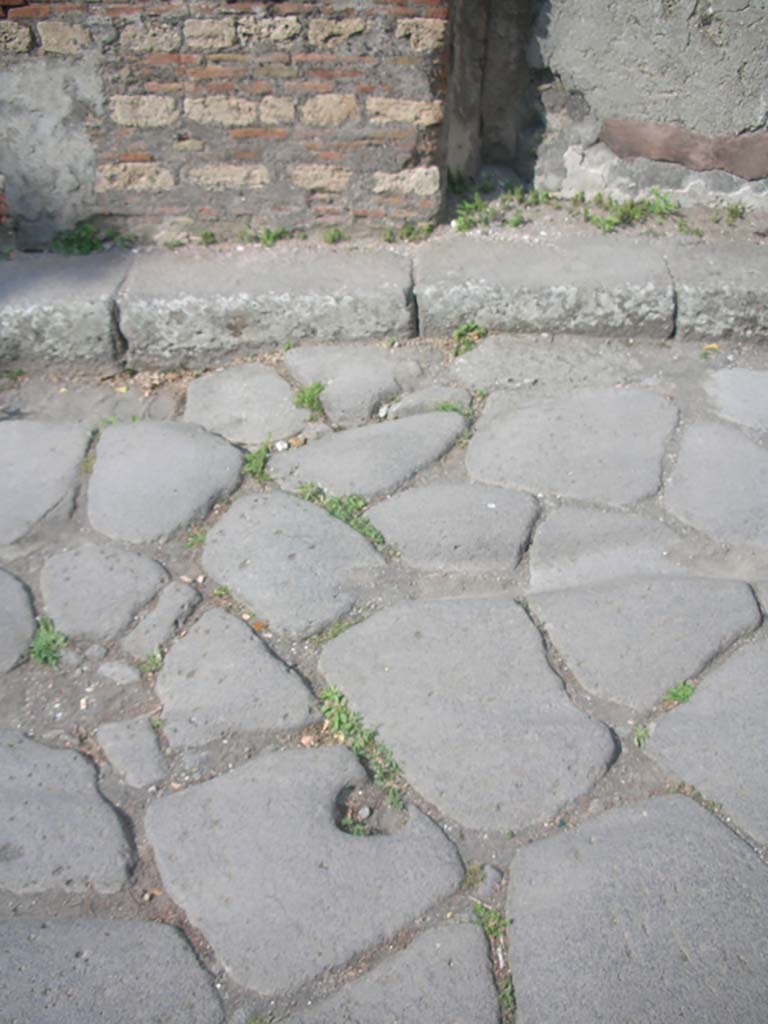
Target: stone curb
x=158, y=308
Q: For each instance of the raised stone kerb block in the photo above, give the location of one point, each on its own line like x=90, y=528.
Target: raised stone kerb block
x=599, y=286
x=60, y=307
x=180, y=308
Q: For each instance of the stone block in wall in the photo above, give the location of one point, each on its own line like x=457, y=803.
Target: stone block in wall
x=224, y=110
x=277, y=110
x=424, y=34
x=62, y=37
x=330, y=110
x=133, y=177
x=150, y=37
x=382, y=110
x=225, y=176
x=140, y=111
x=330, y=31
x=14, y=38
x=281, y=30
x=419, y=181
x=209, y=33
x=319, y=177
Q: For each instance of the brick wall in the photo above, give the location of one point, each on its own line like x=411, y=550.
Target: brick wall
x=223, y=115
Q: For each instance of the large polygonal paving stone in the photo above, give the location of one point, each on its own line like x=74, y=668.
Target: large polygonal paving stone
x=584, y=545
x=221, y=678
x=370, y=460
x=727, y=719
x=652, y=913
x=457, y=526
x=288, y=560
x=56, y=832
x=149, y=479
x=356, y=378
x=17, y=623
x=720, y=484
x=94, y=591
x=741, y=395
x=464, y=682
x=112, y=972
x=443, y=977
x=39, y=467
x=245, y=403
x=631, y=640
x=258, y=864
x=603, y=445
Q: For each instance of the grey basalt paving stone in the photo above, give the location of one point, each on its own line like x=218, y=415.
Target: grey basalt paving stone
x=574, y=546
x=150, y=479
x=428, y=399
x=653, y=912
x=458, y=681
x=467, y=527
x=175, y=604
x=604, y=445
x=357, y=379
x=370, y=460
x=246, y=404
x=288, y=560
x=60, y=308
x=69, y=971
x=576, y=285
x=181, y=308
x=720, y=484
x=727, y=719
x=258, y=864
x=442, y=977
x=741, y=395
x=56, y=832
x=17, y=621
x=221, y=678
x=631, y=640
x=722, y=291
x=131, y=748
x=39, y=467
x=93, y=591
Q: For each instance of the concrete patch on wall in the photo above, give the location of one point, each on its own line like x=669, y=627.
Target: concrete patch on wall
x=45, y=154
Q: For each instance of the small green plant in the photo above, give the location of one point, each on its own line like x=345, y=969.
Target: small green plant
x=14, y=375
x=458, y=182
x=156, y=723
x=640, y=736
x=507, y=1001
x=491, y=920
x=175, y=243
x=354, y=828
x=221, y=592
x=472, y=213
x=389, y=235
x=734, y=213
x=473, y=876
x=195, y=538
x=332, y=236
x=334, y=630
x=88, y=462
x=255, y=463
x=309, y=398
x=81, y=240
x=151, y=663
x=47, y=643
x=349, y=508
x=207, y=237
x=467, y=336
x=453, y=407
x=679, y=694
x=516, y=220
x=347, y=726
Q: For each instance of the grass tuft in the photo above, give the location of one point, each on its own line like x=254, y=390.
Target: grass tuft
x=46, y=645
x=349, y=508
x=255, y=463
x=309, y=398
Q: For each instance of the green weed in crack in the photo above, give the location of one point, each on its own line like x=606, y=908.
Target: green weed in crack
x=349, y=508
x=47, y=643
x=309, y=398
x=255, y=463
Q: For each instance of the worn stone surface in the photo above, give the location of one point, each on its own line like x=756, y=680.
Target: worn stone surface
x=288, y=560
x=728, y=718
x=175, y=604
x=246, y=404
x=457, y=526
x=531, y=751
x=429, y=400
x=59, y=308
x=70, y=970
x=120, y=673
x=713, y=304
x=93, y=591
x=39, y=467
x=17, y=621
x=56, y=832
x=86, y=403
x=741, y=395
x=443, y=976
x=150, y=479
x=631, y=640
x=180, y=308
x=357, y=379
x=603, y=445
x=370, y=460
x=131, y=747
x=578, y=285
x=220, y=678
x=574, y=546
x=281, y=892
x=720, y=484
x=612, y=921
